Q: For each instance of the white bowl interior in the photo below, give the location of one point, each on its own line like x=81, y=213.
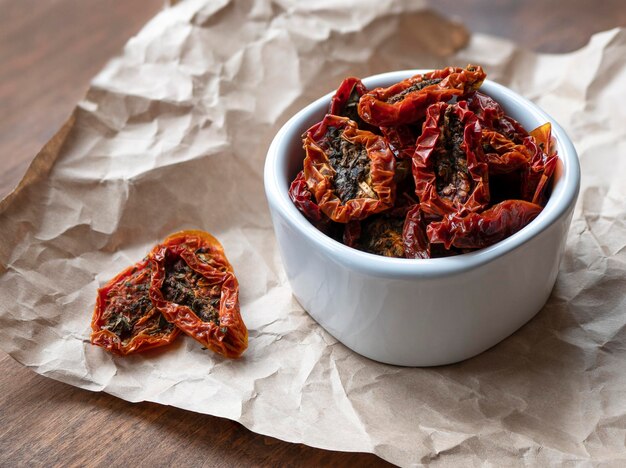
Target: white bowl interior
x=285, y=161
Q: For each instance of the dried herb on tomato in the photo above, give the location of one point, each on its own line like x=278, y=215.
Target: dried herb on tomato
x=448, y=166
x=407, y=101
x=479, y=230
x=349, y=171
x=383, y=233
x=125, y=321
x=404, y=176
x=379, y=234
x=195, y=288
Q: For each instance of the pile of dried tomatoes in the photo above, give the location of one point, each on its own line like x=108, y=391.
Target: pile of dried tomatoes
x=429, y=167
x=184, y=284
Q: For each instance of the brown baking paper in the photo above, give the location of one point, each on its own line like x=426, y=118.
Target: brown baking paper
x=172, y=135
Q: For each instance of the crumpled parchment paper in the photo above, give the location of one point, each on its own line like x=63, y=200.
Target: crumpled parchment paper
x=172, y=135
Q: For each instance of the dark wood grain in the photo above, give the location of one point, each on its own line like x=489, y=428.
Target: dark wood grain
x=552, y=26
x=43, y=422
x=49, y=50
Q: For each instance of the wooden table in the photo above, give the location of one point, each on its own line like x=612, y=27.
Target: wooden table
x=49, y=50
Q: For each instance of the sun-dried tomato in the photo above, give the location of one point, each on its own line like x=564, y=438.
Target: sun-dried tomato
x=542, y=165
x=384, y=233
x=301, y=197
x=346, y=100
x=416, y=244
x=407, y=101
x=448, y=166
x=479, y=230
x=401, y=139
x=125, y=320
x=503, y=155
x=349, y=171
x=379, y=234
x=492, y=116
x=195, y=288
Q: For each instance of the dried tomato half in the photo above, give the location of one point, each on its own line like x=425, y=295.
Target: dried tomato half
x=503, y=155
x=346, y=100
x=401, y=139
x=478, y=230
x=301, y=197
x=195, y=288
x=383, y=233
x=542, y=165
x=448, y=165
x=349, y=171
x=380, y=234
x=416, y=244
x=125, y=320
x=492, y=116
x=406, y=102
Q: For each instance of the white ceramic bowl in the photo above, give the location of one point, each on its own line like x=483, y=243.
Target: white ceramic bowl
x=420, y=312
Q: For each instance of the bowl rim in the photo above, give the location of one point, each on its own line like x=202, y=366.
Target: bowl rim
x=559, y=204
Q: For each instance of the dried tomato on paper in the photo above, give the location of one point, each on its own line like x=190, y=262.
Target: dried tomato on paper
x=542, y=165
x=195, y=288
x=406, y=102
x=125, y=321
x=479, y=230
x=448, y=166
x=349, y=171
